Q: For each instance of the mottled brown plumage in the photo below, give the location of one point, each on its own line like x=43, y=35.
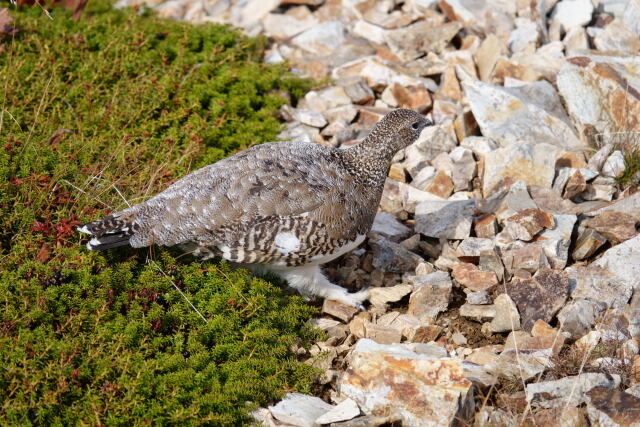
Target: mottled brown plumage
x=283, y=205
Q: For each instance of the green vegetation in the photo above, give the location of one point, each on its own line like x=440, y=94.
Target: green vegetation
x=112, y=107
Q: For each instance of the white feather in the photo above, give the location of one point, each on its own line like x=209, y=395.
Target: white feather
x=287, y=242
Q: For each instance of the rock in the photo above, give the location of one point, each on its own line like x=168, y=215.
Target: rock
x=415, y=330
x=629, y=205
x=527, y=114
x=486, y=226
x=343, y=411
x=614, y=166
x=599, y=285
x=283, y=26
x=388, y=226
x=417, y=39
x=479, y=298
x=601, y=94
x=431, y=295
x=309, y=117
x=475, y=247
x=342, y=115
x=572, y=13
x=480, y=313
x=515, y=200
x=411, y=197
x=614, y=226
x=464, y=168
x=322, y=39
x=441, y=185
x=568, y=391
x=556, y=241
x=539, y=297
x=473, y=278
x=610, y=407
x=524, y=36
x=533, y=164
x=369, y=421
x=445, y=219
x=254, y=10
x=325, y=99
x=423, y=391
x=623, y=261
x=529, y=258
x=597, y=160
x=588, y=242
x=507, y=317
x=299, y=409
x=479, y=145
x=525, y=224
x=525, y=356
x=381, y=296
x=382, y=334
x=358, y=90
x=377, y=75
x=339, y=310
x=575, y=40
x=616, y=37
x=392, y=257
x=578, y=317
x=600, y=189
x=414, y=97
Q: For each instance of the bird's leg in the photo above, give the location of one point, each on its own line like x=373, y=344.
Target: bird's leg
x=310, y=282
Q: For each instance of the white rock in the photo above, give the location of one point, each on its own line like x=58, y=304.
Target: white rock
x=631, y=15
x=572, y=13
x=380, y=375
x=368, y=31
x=614, y=166
x=463, y=168
x=344, y=411
x=530, y=113
x=388, y=226
x=299, y=409
x=445, y=219
x=254, y=10
x=309, y=117
x=507, y=317
x=283, y=26
x=525, y=34
x=623, y=260
x=533, y=164
x=475, y=247
x=325, y=99
x=568, y=391
x=617, y=37
x=480, y=145
x=322, y=39
x=383, y=295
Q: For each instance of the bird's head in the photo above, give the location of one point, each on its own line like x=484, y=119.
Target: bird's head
x=397, y=130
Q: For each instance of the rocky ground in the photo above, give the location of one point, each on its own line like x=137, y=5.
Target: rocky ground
x=505, y=255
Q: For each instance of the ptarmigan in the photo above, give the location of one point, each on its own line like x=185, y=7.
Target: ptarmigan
x=285, y=207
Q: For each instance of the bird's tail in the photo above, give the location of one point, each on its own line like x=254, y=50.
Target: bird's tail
x=109, y=232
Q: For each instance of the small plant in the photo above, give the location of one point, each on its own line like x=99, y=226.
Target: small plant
x=94, y=114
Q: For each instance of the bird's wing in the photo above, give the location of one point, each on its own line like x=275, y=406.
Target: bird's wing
x=270, y=180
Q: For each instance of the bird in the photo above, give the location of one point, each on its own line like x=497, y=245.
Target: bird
x=279, y=207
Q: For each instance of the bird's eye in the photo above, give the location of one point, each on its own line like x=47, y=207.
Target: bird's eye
x=415, y=126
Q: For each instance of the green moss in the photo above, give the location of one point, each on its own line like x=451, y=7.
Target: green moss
x=117, y=106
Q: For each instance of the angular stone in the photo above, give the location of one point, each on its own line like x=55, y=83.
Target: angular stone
x=299, y=409
x=480, y=145
x=629, y=205
x=525, y=224
x=445, y=219
x=381, y=296
x=480, y=313
x=614, y=166
x=413, y=97
x=623, y=260
x=516, y=199
x=527, y=114
x=475, y=247
x=524, y=37
x=325, y=99
x=322, y=39
x=358, y=90
x=602, y=93
x=309, y=117
x=343, y=411
x=441, y=185
x=539, y=297
x=507, y=317
x=424, y=391
x=578, y=317
x=588, y=242
x=382, y=334
x=339, y=310
x=610, y=407
x=486, y=226
x=283, y=26
x=388, y=226
x=529, y=258
x=556, y=241
x=525, y=356
x=599, y=285
x=473, y=278
x=390, y=256
x=479, y=298
x=415, y=40
x=254, y=10
x=572, y=13
x=616, y=37
x=568, y=391
x=533, y=164
x=615, y=226
x=377, y=75
x=464, y=168
x=431, y=295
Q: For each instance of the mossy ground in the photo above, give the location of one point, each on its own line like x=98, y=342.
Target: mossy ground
x=116, y=106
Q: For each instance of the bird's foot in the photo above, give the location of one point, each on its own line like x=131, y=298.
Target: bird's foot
x=351, y=299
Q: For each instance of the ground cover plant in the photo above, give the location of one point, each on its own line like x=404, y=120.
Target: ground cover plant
x=97, y=113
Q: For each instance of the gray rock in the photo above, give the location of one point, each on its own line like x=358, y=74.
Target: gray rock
x=322, y=39
x=445, y=219
x=464, y=168
x=388, y=226
x=479, y=298
x=309, y=117
x=299, y=409
x=568, y=391
x=610, y=407
x=343, y=411
x=599, y=285
x=614, y=166
x=578, y=317
x=431, y=295
x=623, y=261
x=587, y=243
x=480, y=145
x=507, y=317
x=572, y=13
x=415, y=40
x=392, y=257
x=479, y=313
x=475, y=247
